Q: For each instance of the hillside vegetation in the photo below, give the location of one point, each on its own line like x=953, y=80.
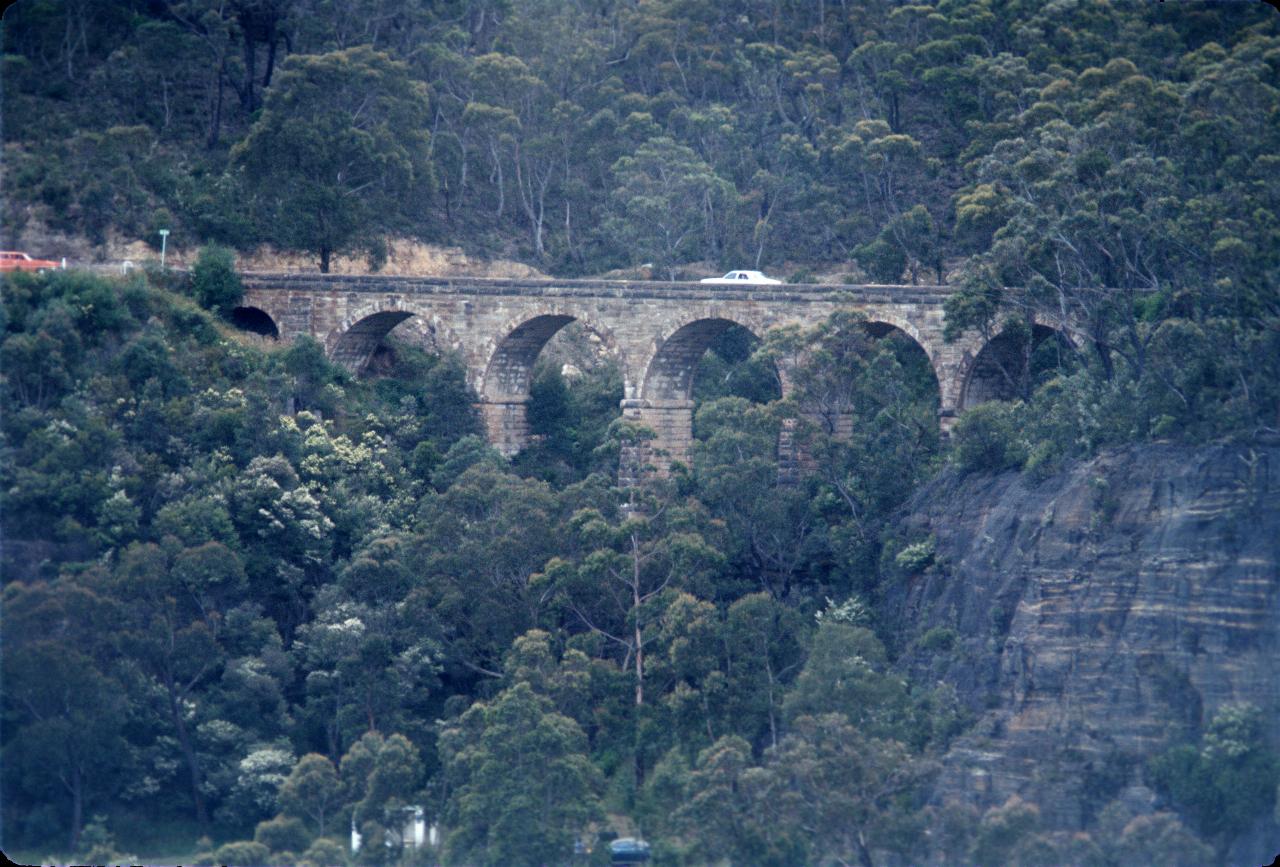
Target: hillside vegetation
x=252, y=601
x=240, y=583
x=591, y=134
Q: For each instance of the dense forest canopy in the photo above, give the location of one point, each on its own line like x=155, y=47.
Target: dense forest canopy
x=607, y=133
x=252, y=601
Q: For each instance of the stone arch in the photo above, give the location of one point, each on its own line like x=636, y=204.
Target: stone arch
x=354, y=344
x=878, y=322
x=879, y=326
x=364, y=330
x=664, y=403
x=998, y=370
x=255, y=320
x=503, y=382
x=668, y=372
x=509, y=358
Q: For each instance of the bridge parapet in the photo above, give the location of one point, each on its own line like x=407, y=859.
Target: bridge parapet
x=622, y=289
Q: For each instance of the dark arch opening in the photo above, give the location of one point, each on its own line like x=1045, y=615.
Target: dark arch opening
x=255, y=321
x=880, y=330
x=868, y=373
x=569, y=376
x=358, y=343
x=916, y=372
x=510, y=370
x=400, y=348
x=727, y=369
x=679, y=363
x=1015, y=362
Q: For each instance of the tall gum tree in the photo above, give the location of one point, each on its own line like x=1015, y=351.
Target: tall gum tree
x=340, y=154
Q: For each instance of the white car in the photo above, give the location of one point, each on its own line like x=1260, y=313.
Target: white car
x=740, y=277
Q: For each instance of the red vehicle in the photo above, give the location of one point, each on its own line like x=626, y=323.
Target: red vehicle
x=12, y=261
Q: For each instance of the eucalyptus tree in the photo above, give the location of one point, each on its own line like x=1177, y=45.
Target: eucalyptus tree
x=340, y=154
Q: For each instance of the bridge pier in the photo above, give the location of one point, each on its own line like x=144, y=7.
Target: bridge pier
x=946, y=422
x=506, y=423
x=672, y=423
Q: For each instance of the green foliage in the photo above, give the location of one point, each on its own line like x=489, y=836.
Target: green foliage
x=264, y=557
x=325, y=852
x=1003, y=829
x=283, y=834
x=334, y=169
x=525, y=789
x=846, y=790
x=214, y=280
x=1108, y=183
x=242, y=853
x=1228, y=780
x=989, y=438
x=938, y=639
x=569, y=419
x=883, y=260
x=312, y=791
x=825, y=791
x=915, y=557
x=667, y=203
x=719, y=802
x=468, y=452
x=852, y=612
x=1162, y=838
x=731, y=367
x=315, y=377
x=380, y=778
x=100, y=844
x=847, y=672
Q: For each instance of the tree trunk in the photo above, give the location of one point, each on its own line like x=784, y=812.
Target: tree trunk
x=272, y=41
x=215, y=125
x=247, y=97
x=324, y=260
x=1028, y=348
x=188, y=753
x=639, y=640
x=864, y=854
x=773, y=722
x=1104, y=357
x=502, y=184
x=77, y=808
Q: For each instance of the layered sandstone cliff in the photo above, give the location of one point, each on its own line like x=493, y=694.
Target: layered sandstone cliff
x=1091, y=619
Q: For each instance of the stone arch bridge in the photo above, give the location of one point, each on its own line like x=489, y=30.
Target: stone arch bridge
x=656, y=331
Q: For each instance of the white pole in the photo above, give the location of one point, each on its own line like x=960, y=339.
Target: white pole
x=164, y=242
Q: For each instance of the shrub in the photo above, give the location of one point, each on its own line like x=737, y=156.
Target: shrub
x=939, y=638
x=914, y=558
x=1227, y=781
x=988, y=438
x=283, y=833
x=242, y=853
x=99, y=844
x=214, y=280
x=885, y=262
x=1002, y=829
x=325, y=852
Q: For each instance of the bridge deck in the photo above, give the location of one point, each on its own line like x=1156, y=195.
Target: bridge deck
x=558, y=288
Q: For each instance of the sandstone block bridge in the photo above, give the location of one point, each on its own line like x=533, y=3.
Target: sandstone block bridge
x=656, y=331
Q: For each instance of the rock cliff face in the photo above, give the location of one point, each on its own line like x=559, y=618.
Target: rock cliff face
x=1093, y=618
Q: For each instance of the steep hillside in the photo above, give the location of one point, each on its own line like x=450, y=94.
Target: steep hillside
x=1095, y=619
